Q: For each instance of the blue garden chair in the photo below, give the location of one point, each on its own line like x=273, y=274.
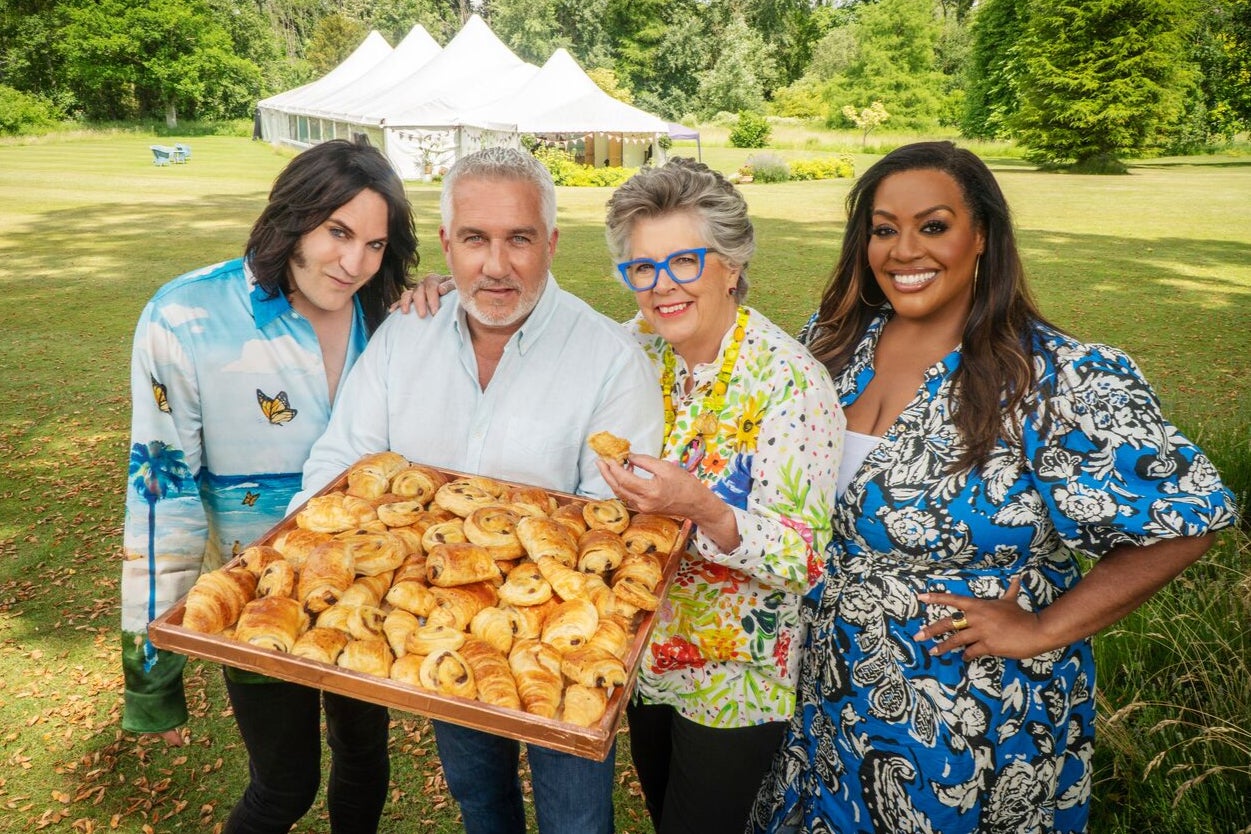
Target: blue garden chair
x=161, y=154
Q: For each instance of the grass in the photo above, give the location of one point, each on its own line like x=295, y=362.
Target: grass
x=1155, y=263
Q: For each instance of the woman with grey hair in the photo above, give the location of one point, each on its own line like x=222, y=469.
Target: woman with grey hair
x=753, y=440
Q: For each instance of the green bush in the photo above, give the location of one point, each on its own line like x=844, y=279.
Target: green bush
x=23, y=113
x=768, y=167
x=823, y=169
x=751, y=131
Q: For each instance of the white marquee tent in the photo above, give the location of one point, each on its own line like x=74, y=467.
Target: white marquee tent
x=427, y=107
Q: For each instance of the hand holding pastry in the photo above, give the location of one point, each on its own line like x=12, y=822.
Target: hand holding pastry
x=673, y=491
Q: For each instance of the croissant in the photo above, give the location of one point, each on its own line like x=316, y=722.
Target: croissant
x=635, y=594
x=641, y=568
x=407, y=669
x=567, y=582
x=570, y=515
x=277, y=580
x=611, y=636
x=364, y=622
x=457, y=606
x=271, y=623
x=462, y=497
x=446, y=672
x=367, y=590
x=649, y=533
x=336, y=617
x=527, y=620
x=494, y=528
x=217, y=599
x=428, y=639
x=399, y=513
x=258, y=557
x=410, y=540
x=443, y=532
x=323, y=644
x=413, y=567
x=397, y=626
x=490, y=486
x=335, y=512
x=525, y=585
x=546, y=537
x=571, y=625
x=372, y=656
x=610, y=447
x=413, y=597
x=536, y=670
x=295, y=544
x=609, y=514
x=530, y=500
x=418, y=483
x=491, y=674
x=593, y=666
x=460, y=563
x=326, y=574
x=583, y=705
x=493, y=626
x=371, y=476
x=429, y=518
x=600, y=551
x=374, y=553
x=608, y=604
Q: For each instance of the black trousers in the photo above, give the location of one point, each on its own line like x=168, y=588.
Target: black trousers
x=696, y=779
x=281, y=726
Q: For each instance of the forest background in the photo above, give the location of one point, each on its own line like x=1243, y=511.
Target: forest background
x=1082, y=83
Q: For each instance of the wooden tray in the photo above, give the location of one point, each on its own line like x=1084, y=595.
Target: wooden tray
x=592, y=742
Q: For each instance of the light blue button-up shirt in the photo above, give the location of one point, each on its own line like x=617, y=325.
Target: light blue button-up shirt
x=566, y=373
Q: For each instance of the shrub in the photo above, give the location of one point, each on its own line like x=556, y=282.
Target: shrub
x=768, y=167
x=22, y=112
x=823, y=169
x=565, y=171
x=751, y=131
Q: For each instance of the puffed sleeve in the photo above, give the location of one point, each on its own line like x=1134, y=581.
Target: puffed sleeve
x=1110, y=468
x=166, y=527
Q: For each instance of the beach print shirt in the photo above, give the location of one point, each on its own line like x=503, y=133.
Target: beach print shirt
x=888, y=738
x=228, y=395
x=725, y=648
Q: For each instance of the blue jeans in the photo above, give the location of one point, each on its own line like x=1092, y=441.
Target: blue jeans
x=281, y=727
x=572, y=795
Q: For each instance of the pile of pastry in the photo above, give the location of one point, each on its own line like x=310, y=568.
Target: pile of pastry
x=462, y=586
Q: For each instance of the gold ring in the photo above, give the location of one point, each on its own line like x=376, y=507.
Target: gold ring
x=959, y=623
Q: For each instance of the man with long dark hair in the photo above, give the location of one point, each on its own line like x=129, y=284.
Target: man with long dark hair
x=234, y=373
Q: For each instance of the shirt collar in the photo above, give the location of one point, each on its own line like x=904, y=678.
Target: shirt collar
x=532, y=327
x=264, y=309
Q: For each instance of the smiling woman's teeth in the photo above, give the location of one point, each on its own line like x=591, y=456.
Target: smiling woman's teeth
x=913, y=279
x=670, y=308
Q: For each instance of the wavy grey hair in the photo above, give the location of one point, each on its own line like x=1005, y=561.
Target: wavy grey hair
x=501, y=164
x=684, y=185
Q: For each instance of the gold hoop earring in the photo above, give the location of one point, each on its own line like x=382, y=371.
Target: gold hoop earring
x=977, y=266
x=866, y=302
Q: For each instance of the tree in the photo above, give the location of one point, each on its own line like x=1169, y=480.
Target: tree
x=125, y=58
x=734, y=82
x=333, y=39
x=866, y=119
x=994, y=67
x=606, y=80
x=1101, y=79
x=155, y=468
x=895, y=63
x=529, y=27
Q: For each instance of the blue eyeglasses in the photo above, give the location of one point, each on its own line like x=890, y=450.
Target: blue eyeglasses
x=683, y=266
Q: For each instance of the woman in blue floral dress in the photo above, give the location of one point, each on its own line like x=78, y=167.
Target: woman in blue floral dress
x=948, y=682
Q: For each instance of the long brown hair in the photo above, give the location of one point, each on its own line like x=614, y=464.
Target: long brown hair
x=996, y=368
x=309, y=189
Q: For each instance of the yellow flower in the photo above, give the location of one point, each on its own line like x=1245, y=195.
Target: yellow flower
x=748, y=427
x=719, y=643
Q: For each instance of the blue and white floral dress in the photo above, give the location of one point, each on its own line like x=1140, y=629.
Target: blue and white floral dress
x=889, y=739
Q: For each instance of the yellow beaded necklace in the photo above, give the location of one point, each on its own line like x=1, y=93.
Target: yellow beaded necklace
x=709, y=419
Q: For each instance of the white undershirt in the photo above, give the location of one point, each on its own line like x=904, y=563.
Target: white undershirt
x=856, y=448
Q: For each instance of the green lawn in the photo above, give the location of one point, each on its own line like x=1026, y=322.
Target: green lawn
x=1156, y=263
